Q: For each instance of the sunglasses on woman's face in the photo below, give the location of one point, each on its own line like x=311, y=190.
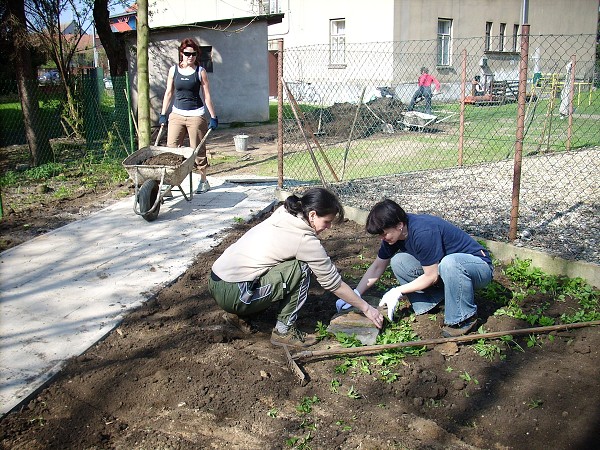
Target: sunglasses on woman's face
x=189, y=53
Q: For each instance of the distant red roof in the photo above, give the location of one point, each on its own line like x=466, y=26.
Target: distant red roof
x=120, y=27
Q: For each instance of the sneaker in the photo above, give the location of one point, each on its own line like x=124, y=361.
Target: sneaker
x=294, y=337
x=203, y=187
x=461, y=328
x=244, y=325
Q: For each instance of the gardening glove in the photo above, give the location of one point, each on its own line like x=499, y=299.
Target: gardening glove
x=391, y=299
x=162, y=120
x=342, y=305
x=214, y=123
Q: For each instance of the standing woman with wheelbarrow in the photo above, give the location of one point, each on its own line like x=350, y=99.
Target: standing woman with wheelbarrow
x=185, y=80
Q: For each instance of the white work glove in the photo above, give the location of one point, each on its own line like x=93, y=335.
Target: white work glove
x=342, y=305
x=391, y=299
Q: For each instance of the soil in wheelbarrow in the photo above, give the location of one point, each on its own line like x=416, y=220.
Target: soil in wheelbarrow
x=164, y=159
x=174, y=375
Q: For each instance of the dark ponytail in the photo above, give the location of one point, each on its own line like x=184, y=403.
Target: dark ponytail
x=319, y=200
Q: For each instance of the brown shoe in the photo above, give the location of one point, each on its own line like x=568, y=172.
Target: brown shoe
x=461, y=328
x=294, y=337
x=244, y=325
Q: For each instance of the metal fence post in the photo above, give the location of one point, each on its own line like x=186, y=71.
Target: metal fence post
x=571, y=98
x=280, y=113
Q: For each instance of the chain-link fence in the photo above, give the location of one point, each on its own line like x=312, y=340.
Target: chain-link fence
x=352, y=127
x=91, y=118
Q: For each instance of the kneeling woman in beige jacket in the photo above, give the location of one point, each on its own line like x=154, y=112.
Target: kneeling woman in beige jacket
x=272, y=262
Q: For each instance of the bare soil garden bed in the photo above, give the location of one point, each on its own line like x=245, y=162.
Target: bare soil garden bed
x=174, y=375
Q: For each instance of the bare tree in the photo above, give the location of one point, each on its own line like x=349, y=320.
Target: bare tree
x=36, y=135
x=44, y=21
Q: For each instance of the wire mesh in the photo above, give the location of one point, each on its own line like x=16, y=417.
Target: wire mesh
x=93, y=119
x=355, y=131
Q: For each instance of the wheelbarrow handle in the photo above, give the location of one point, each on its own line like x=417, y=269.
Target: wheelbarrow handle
x=202, y=142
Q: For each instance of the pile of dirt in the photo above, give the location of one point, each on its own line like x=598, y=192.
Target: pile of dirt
x=164, y=159
x=381, y=114
x=175, y=375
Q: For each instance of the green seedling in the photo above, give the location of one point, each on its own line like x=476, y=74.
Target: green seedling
x=449, y=369
x=388, y=376
x=486, y=349
x=334, y=385
x=305, y=406
x=340, y=423
x=272, y=413
x=532, y=341
x=238, y=219
x=534, y=403
x=347, y=341
x=321, y=331
x=468, y=378
x=308, y=426
x=508, y=341
x=353, y=393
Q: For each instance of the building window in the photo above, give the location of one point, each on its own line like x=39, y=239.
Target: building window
x=337, y=42
x=515, y=37
x=444, y=36
x=488, y=36
x=205, y=57
x=501, y=37
x=274, y=6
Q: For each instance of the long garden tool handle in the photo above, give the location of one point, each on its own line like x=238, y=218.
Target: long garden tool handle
x=468, y=337
x=160, y=132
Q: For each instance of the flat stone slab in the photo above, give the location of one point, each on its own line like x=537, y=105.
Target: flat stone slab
x=353, y=322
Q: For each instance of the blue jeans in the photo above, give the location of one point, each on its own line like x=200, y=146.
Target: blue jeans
x=425, y=92
x=460, y=275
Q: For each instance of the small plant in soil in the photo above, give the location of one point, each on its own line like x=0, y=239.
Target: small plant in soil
x=533, y=404
x=468, y=378
x=305, y=406
x=353, y=393
x=334, y=385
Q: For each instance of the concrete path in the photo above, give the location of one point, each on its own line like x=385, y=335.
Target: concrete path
x=63, y=291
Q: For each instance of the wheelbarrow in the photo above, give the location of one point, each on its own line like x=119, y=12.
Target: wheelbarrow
x=150, y=180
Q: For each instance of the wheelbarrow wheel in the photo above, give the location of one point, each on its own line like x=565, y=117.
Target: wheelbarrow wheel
x=146, y=198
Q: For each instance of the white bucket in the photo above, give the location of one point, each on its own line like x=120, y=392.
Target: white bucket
x=241, y=142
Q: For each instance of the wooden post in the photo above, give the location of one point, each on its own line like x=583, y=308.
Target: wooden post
x=520, y=134
x=461, y=127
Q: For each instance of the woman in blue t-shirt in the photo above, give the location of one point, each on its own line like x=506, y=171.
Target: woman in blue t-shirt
x=184, y=82
x=433, y=260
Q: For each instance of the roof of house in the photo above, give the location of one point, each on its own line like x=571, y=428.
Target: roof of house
x=222, y=24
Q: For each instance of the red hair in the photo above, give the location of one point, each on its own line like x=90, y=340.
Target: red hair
x=188, y=42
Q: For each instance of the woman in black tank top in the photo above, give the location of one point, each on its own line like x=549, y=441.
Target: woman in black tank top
x=188, y=85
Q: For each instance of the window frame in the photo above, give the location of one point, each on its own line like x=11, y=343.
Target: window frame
x=337, y=43
x=502, y=37
x=515, y=46
x=487, y=46
x=444, y=43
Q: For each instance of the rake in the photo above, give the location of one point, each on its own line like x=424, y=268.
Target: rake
x=305, y=354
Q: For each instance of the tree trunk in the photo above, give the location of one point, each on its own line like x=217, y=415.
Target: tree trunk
x=113, y=43
x=143, y=85
x=36, y=135
x=115, y=48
